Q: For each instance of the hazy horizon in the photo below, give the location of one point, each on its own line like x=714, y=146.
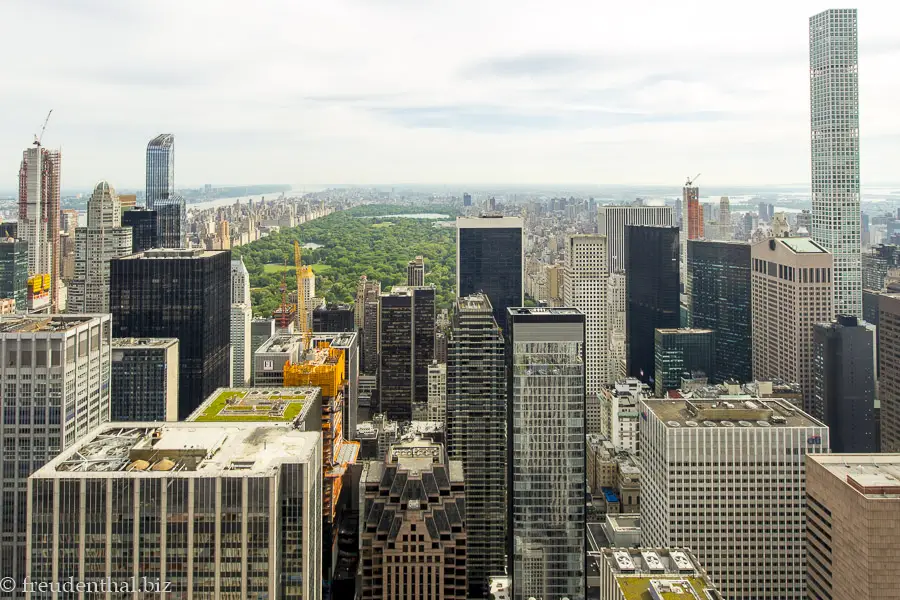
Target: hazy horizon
x=462, y=93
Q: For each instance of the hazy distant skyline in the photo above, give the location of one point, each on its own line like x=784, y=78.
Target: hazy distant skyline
x=421, y=91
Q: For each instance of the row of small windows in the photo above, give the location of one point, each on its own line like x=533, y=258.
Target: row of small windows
x=801, y=275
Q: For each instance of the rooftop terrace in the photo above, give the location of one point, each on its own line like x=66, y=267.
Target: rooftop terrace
x=255, y=404
x=143, y=342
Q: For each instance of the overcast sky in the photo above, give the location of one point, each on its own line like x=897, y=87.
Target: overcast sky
x=428, y=91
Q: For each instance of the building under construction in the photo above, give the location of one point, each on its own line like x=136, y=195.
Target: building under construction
x=325, y=365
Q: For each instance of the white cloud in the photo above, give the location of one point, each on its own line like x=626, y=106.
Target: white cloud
x=376, y=91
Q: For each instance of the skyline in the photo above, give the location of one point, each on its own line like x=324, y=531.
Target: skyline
x=422, y=93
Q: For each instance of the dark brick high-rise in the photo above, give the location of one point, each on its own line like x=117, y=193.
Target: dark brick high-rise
x=652, y=293
x=185, y=294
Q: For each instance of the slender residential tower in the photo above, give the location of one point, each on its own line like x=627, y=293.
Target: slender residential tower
x=39, y=213
x=834, y=137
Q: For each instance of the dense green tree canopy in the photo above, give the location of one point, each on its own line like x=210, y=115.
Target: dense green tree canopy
x=355, y=242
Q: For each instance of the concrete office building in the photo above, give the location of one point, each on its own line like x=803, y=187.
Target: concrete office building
x=240, y=336
x=56, y=378
x=681, y=353
x=437, y=393
x=178, y=293
x=102, y=240
x=612, y=221
x=586, y=287
x=490, y=259
x=617, y=306
x=14, y=272
x=415, y=272
x=844, y=383
x=413, y=524
x=405, y=349
x=545, y=371
x=726, y=229
x=834, y=125
x=791, y=286
x=852, y=515
x=270, y=358
x=222, y=510
x=719, y=292
x=705, y=487
x=889, y=370
x=476, y=432
x=657, y=573
x=652, y=291
x=144, y=384
x=143, y=228
x=618, y=404
x=260, y=332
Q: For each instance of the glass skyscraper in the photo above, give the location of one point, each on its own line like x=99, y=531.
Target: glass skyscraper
x=160, y=169
x=476, y=433
x=834, y=109
x=545, y=375
x=718, y=291
x=652, y=292
x=680, y=352
x=489, y=259
x=182, y=294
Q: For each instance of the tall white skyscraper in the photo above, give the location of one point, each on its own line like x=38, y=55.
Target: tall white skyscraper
x=616, y=299
x=102, y=240
x=612, y=221
x=241, y=318
x=240, y=282
x=56, y=390
x=586, y=287
x=726, y=232
x=834, y=111
x=547, y=456
x=727, y=480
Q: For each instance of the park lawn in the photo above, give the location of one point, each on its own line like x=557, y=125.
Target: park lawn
x=271, y=268
x=321, y=268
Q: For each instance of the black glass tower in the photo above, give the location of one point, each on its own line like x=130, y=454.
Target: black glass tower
x=405, y=349
x=651, y=291
x=334, y=318
x=476, y=433
x=718, y=291
x=843, y=369
x=489, y=260
x=683, y=353
x=182, y=294
x=143, y=228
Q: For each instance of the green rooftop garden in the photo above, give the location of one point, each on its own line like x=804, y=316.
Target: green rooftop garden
x=638, y=587
x=244, y=406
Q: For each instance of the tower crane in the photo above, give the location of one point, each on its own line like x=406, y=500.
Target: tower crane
x=38, y=138
x=691, y=180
